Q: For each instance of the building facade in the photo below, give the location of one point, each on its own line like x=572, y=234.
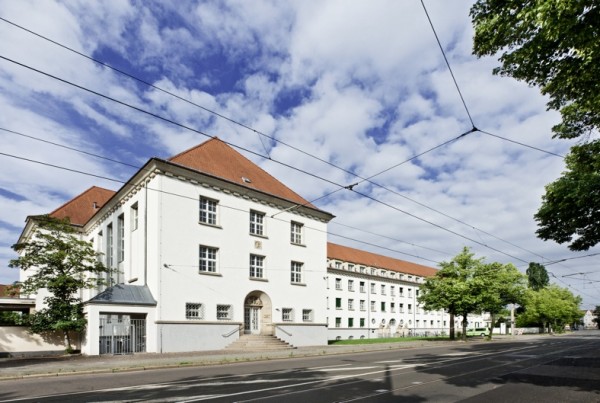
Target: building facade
x=206, y=247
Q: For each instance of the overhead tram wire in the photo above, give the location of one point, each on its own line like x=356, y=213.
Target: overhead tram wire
x=464, y=103
x=521, y=144
x=164, y=119
x=140, y=167
x=126, y=183
x=245, y=149
x=289, y=145
x=220, y=115
x=449, y=67
x=70, y=148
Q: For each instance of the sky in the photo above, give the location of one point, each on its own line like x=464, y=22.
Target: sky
x=338, y=90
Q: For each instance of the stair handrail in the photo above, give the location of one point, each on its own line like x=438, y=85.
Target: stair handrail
x=232, y=332
x=283, y=330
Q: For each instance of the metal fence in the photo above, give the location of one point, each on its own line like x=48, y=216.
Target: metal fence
x=122, y=336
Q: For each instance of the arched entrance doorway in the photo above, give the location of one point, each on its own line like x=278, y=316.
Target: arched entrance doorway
x=258, y=318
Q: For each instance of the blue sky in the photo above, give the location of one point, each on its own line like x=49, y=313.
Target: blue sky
x=361, y=85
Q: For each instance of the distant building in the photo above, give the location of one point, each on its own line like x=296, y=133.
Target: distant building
x=588, y=320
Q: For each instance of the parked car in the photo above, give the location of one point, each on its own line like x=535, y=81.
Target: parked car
x=479, y=331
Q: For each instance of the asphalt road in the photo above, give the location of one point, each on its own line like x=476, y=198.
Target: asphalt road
x=546, y=369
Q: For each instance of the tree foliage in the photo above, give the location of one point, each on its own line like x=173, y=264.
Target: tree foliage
x=502, y=284
x=55, y=259
x=570, y=210
x=552, y=44
x=596, y=313
x=466, y=285
x=537, y=276
x=550, y=307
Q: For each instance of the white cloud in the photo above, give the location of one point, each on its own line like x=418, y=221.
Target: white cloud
x=360, y=85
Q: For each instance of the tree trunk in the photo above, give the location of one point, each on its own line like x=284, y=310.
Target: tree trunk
x=493, y=317
x=464, y=328
x=68, y=338
x=452, y=334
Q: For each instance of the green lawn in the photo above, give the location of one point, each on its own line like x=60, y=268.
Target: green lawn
x=386, y=340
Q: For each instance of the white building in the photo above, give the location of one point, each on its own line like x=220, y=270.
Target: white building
x=588, y=320
x=200, y=257
x=207, y=246
x=371, y=296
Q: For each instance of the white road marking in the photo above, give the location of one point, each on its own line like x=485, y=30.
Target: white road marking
x=344, y=369
x=329, y=366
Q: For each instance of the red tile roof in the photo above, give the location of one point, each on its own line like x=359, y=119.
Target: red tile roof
x=361, y=257
x=81, y=208
x=216, y=158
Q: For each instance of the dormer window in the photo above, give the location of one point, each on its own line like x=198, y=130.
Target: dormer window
x=246, y=180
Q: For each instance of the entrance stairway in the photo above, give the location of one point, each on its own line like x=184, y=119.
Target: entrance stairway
x=254, y=342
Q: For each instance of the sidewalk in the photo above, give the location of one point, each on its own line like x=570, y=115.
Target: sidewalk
x=18, y=368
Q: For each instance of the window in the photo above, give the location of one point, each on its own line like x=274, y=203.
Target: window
x=350, y=304
x=382, y=289
x=350, y=322
x=297, y=272
x=409, y=308
x=350, y=285
x=417, y=293
x=338, y=283
x=338, y=322
x=296, y=233
x=392, y=307
x=287, y=314
x=362, y=305
x=307, y=315
x=338, y=265
x=382, y=306
x=224, y=312
x=362, y=286
x=208, y=211
x=338, y=303
x=257, y=223
x=208, y=259
x=257, y=266
x=362, y=269
x=109, y=246
x=194, y=311
x=401, y=292
x=392, y=291
x=401, y=308
x=350, y=267
x=409, y=292
x=373, y=306
x=362, y=322
x=134, y=217
x=121, y=238
x=373, y=288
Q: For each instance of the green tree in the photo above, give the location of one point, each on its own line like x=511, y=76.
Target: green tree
x=537, y=276
x=550, y=308
x=502, y=284
x=596, y=312
x=553, y=44
x=570, y=210
x=55, y=259
x=452, y=289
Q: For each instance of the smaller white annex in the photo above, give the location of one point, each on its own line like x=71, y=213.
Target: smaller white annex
x=207, y=247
